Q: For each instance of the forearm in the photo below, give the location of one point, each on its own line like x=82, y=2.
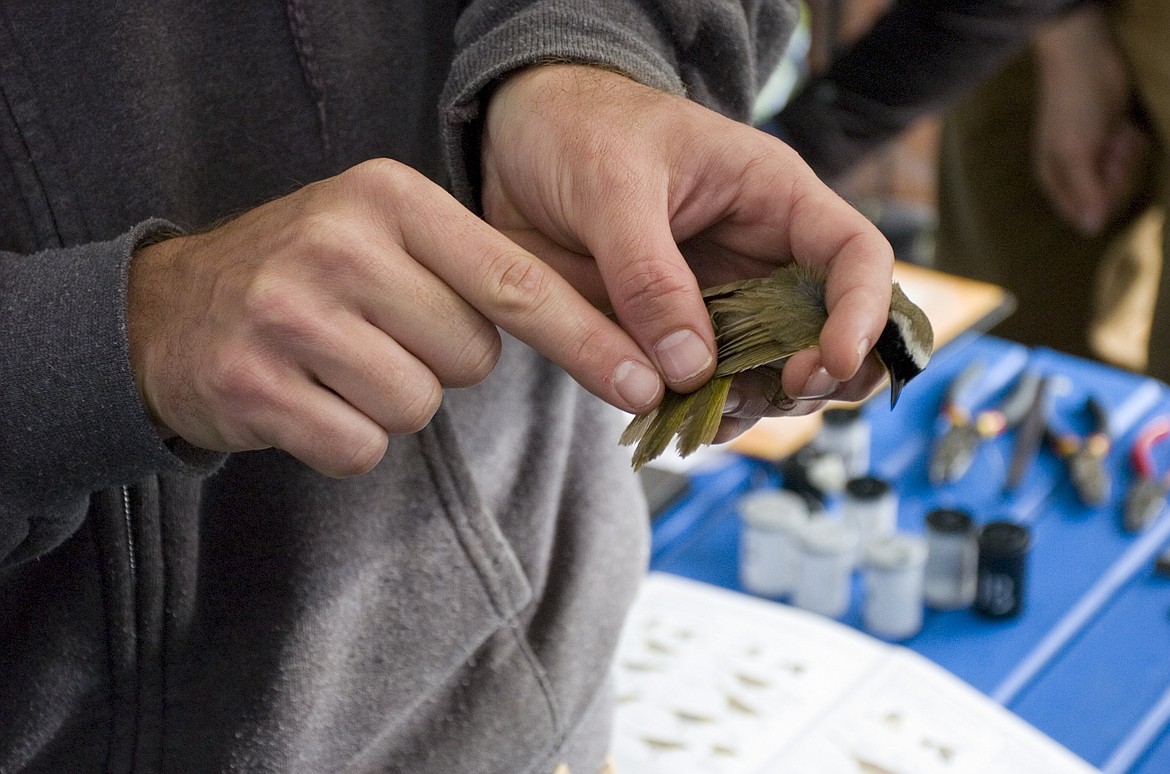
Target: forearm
x=1074, y=46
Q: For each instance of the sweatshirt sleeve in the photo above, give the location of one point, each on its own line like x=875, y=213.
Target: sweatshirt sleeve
x=716, y=52
x=920, y=57
x=71, y=421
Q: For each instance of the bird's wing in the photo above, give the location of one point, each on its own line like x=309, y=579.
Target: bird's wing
x=755, y=354
x=731, y=288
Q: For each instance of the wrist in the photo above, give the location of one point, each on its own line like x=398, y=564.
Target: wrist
x=146, y=303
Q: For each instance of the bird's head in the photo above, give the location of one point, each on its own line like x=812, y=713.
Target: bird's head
x=905, y=346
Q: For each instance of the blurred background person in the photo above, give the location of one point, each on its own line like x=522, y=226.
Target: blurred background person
x=1050, y=156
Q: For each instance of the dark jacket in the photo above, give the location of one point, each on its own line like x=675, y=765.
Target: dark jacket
x=163, y=608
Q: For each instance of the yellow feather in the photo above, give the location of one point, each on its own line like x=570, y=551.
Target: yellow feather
x=761, y=322
x=749, y=318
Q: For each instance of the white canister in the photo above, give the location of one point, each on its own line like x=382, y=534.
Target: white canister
x=824, y=582
x=846, y=431
x=894, y=567
x=870, y=507
x=771, y=521
x=952, y=559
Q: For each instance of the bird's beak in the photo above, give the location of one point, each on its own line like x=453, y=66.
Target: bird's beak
x=896, y=386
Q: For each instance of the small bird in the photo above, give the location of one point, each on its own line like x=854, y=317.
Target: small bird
x=760, y=322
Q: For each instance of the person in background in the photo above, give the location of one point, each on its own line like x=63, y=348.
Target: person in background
x=308, y=404
x=1057, y=167
x=916, y=59
x=1051, y=160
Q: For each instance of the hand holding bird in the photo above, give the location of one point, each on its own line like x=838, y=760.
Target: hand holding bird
x=761, y=322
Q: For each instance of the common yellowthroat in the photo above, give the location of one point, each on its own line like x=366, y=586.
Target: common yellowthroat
x=760, y=322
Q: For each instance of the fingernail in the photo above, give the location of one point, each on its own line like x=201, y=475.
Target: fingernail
x=818, y=385
x=637, y=383
x=682, y=355
x=733, y=402
x=863, y=348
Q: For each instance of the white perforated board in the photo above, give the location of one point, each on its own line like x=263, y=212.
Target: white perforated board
x=717, y=682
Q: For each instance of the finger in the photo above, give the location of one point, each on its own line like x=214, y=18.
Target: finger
x=377, y=376
x=653, y=291
x=326, y=432
x=759, y=393
x=805, y=377
x=731, y=428
x=525, y=297
x=755, y=393
x=869, y=378
x=857, y=291
x=578, y=269
x=428, y=319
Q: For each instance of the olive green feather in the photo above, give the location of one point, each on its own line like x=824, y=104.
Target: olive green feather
x=757, y=322
x=761, y=322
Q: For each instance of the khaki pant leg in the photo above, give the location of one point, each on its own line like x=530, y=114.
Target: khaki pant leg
x=996, y=224
x=1125, y=293
x=1143, y=31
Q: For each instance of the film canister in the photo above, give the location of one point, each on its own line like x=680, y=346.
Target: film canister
x=893, y=586
x=1003, y=559
x=871, y=508
x=824, y=580
x=771, y=522
x=952, y=559
x=846, y=432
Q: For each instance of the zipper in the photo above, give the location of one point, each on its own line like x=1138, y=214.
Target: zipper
x=130, y=552
x=133, y=653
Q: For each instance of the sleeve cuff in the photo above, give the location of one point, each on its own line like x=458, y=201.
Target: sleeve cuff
x=70, y=411
x=560, y=32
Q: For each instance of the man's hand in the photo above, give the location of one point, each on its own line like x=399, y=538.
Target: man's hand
x=322, y=321
x=1089, y=150
x=640, y=198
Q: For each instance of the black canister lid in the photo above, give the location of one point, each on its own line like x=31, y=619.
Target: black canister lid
x=949, y=520
x=1004, y=539
x=842, y=415
x=867, y=488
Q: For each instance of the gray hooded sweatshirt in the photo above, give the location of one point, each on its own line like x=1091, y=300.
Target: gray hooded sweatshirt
x=167, y=609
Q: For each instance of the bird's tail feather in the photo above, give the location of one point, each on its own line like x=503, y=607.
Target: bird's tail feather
x=702, y=420
x=693, y=416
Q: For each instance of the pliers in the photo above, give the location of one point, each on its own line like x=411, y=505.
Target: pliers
x=1085, y=455
x=955, y=450
x=1146, y=498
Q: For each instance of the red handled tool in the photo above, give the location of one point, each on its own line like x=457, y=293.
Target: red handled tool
x=1146, y=498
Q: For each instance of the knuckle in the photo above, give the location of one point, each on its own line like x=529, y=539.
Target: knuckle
x=278, y=309
x=320, y=231
x=588, y=343
x=241, y=383
x=518, y=285
x=363, y=457
x=329, y=240
x=383, y=174
x=417, y=409
x=650, y=285
x=478, y=358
